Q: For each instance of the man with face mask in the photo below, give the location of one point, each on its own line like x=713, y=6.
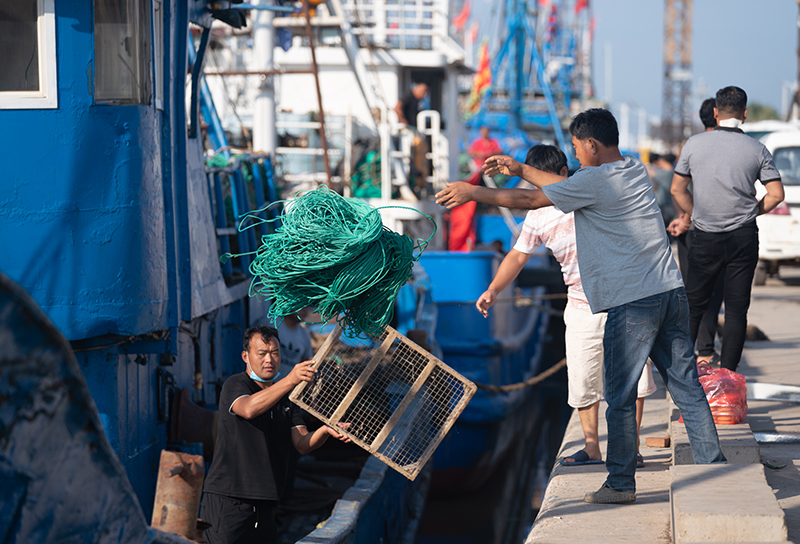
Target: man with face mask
x=256, y=427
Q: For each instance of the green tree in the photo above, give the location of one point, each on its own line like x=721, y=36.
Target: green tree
x=759, y=112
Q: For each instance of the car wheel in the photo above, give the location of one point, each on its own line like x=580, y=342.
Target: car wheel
x=760, y=277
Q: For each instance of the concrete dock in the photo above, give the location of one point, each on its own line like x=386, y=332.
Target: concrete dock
x=754, y=498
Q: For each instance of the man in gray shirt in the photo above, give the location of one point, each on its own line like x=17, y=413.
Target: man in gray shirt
x=627, y=270
x=723, y=166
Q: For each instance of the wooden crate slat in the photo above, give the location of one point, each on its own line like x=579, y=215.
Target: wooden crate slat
x=319, y=356
x=401, y=408
x=376, y=359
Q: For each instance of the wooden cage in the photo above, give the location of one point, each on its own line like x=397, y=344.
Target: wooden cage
x=397, y=400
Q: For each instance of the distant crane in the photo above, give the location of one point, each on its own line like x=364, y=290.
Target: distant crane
x=795, y=104
x=676, y=110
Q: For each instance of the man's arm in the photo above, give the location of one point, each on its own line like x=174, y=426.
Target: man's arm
x=507, y=272
x=306, y=442
x=398, y=109
x=774, y=196
x=459, y=192
x=503, y=164
x=254, y=405
x=680, y=192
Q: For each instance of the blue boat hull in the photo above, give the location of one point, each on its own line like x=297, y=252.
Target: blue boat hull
x=503, y=349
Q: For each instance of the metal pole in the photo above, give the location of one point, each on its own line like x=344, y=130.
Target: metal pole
x=264, y=134
x=323, y=141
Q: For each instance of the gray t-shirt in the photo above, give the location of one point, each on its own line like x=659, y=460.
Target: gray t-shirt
x=623, y=250
x=724, y=165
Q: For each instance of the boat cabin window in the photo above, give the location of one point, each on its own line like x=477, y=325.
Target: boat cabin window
x=121, y=51
x=28, y=59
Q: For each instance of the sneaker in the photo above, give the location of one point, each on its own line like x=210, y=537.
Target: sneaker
x=606, y=495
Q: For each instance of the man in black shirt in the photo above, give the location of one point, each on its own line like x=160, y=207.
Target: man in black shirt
x=408, y=106
x=257, y=425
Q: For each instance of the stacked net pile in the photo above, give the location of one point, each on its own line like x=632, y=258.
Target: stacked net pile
x=391, y=397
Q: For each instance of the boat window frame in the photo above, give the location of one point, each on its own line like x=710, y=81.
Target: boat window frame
x=47, y=95
x=157, y=49
x=145, y=27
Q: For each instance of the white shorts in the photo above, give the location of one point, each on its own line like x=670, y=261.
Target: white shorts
x=584, y=341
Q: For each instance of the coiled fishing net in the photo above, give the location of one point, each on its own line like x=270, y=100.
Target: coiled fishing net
x=332, y=253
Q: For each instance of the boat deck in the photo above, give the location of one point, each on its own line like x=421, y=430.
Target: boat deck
x=689, y=503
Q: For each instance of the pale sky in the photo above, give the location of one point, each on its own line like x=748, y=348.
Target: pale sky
x=748, y=43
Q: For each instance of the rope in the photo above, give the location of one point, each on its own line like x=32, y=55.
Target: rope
x=332, y=253
x=527, y=301
x=527, y=383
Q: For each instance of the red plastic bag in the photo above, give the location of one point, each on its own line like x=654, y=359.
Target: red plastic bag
x=726, y=392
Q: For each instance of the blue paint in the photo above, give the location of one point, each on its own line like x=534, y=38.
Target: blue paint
x=107, y=222
x=502, y=349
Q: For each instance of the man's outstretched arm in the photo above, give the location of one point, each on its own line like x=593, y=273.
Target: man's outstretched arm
x=503, y=164
x=459, y=192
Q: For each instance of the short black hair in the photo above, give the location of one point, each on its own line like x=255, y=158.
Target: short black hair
x=547, y=158
x=731, y=100
x=707, y=112
x=670, y=158
x=597, y=123
x=267, y=333
x=653, y=158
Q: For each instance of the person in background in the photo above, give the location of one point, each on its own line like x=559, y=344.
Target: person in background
x=627, y=271
x=723, y=166
x=584, y=330
x=681, y=229
x=295, y=341
x=483, y=147
x=257, y=426
x=661, y=174
x=408, y=106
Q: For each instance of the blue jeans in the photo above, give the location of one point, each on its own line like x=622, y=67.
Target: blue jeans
x=658, y=327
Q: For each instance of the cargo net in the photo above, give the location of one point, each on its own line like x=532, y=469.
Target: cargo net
x=397, y=401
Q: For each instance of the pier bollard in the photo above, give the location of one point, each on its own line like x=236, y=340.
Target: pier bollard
x=180, y=481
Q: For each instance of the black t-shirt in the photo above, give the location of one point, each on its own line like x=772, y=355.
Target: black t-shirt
x=251, y=456
x=410, y=106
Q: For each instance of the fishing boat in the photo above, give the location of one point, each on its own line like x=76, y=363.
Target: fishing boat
x=113, y=225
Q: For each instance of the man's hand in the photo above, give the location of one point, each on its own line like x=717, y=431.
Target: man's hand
x=679, y=225
x=486, y=301
x=337, y=435
x=502, y=164
x=302, y=372
x=455, y=194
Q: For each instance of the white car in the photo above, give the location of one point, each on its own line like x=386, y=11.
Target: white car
x=779, y=230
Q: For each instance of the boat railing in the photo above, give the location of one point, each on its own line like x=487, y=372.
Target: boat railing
x=238, y=184
x=299, y=162
x=401, y=24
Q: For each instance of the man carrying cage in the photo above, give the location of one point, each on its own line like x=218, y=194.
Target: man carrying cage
x=257, y=426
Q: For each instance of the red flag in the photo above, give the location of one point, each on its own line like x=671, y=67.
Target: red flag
x=481, y=81
x=580, y=5
x=460, y=20
x=473, y=31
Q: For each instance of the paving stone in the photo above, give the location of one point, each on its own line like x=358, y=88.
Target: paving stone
x=737, y=443
x=724, y=503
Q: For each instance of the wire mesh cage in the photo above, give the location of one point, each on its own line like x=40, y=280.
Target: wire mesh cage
x=397, y=400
